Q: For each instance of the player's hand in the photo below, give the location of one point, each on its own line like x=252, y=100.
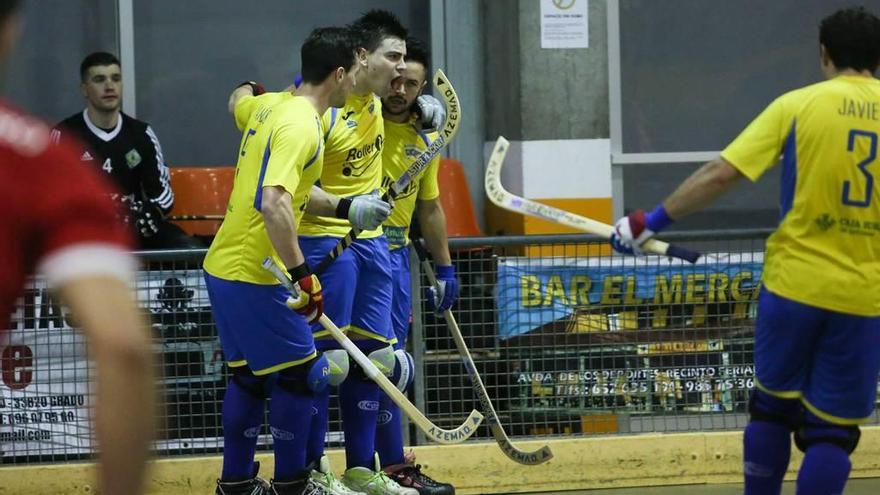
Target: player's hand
x=432, y=112
x=630, y=232
x=309, y=300
x=145, y=217
x=444, y=295
x=368, y=211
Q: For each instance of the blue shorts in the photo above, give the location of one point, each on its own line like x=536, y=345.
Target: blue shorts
x=256, y=328
x=401, y=298
x=828, y=360
x=357, y=286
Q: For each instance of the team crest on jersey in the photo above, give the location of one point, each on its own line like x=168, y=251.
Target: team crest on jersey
x=411, y=151
x=132, y=158
x=371, y=107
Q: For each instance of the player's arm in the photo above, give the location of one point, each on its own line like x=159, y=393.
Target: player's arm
x=365, y=212
x=702, y=188
x=321, y=203
x=432, y=220
x=291, y=150
x=125, y=409
x=155, y=179
x=277, y=210
x=752, y=153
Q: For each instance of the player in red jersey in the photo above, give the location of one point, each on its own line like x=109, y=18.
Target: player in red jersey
x=57, y=218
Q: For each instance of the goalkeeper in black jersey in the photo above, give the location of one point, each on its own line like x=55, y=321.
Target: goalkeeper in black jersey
x=126, y=149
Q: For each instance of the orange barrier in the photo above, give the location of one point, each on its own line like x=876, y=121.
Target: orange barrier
x=456, y=200
x=201, y=191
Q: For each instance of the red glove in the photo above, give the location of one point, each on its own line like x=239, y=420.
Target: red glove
x=309, y=300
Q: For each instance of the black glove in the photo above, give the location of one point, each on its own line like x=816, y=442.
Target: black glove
x=145, y=217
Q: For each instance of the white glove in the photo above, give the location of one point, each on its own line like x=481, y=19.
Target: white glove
x=368, y=211
x=432, y=111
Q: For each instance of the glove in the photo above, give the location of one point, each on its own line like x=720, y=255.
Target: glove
x=443, y=296
x=144, y=216
x=633, y=230
x=256, y=87
x=366, y=211
x=309, y=300
x=432, y=112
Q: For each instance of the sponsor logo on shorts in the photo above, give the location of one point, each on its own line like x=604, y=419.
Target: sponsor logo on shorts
x=384, y=417
x=252, y=432
x=368, y=405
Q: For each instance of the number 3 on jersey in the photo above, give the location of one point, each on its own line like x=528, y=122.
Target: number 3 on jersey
x=863, y=167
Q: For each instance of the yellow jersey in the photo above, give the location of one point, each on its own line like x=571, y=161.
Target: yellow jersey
x=826, y=250
x=352, y=160
x=281, y=146
x=403, y=144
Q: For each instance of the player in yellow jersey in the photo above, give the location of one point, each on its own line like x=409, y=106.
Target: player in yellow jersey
x=817, y=335
x=357, y=283
x=404, y=142
x=280, y=158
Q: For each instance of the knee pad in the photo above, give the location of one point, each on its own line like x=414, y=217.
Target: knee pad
x=249, y=382
x=765, y=407
x=383, y=358
x=815, y=431
x=306, y=378
x=404, y=370
x=339, y=366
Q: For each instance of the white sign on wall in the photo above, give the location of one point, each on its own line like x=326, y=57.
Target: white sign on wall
x=565, y=24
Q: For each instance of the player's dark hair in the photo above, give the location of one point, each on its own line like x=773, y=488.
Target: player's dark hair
x=96, y=59
x=8, y=7
x=325, y=50
x=374, y=26
x=417, y=51
x=852, y=38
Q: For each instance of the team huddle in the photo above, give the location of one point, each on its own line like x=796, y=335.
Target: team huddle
x=312, y=163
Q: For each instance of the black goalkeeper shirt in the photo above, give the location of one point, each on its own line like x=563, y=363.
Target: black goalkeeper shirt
x=130, y=153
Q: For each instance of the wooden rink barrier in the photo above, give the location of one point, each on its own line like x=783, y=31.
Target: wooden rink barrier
x=653, y=459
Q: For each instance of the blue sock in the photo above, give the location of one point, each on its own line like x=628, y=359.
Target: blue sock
x=359, y=402
x=289, y=432
x=242, y=417
x=389, y=435
x=824, y=470
x=318, y=432
x=766, y=452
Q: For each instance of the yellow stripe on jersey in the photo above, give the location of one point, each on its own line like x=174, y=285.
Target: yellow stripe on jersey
x=825, y=251
x=403, y=144
x=283, y=147
x=352, y=160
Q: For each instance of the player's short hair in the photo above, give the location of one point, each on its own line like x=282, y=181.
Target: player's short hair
x=8, y=7
x=325, y=50
x=417, y=51
x=96, y=59
x=852, y=38
x=374, y=26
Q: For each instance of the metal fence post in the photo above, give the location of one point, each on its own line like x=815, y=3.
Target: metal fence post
x=418, y=343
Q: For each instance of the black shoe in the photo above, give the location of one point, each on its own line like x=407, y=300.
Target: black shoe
x=253, y=486
x=411, y=476
x=297, y=487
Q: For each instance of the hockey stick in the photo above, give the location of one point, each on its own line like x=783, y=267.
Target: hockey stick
x=501, y=197
x=450, y=129
x=196, y=217
x=456, y=435
x=539, y=456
